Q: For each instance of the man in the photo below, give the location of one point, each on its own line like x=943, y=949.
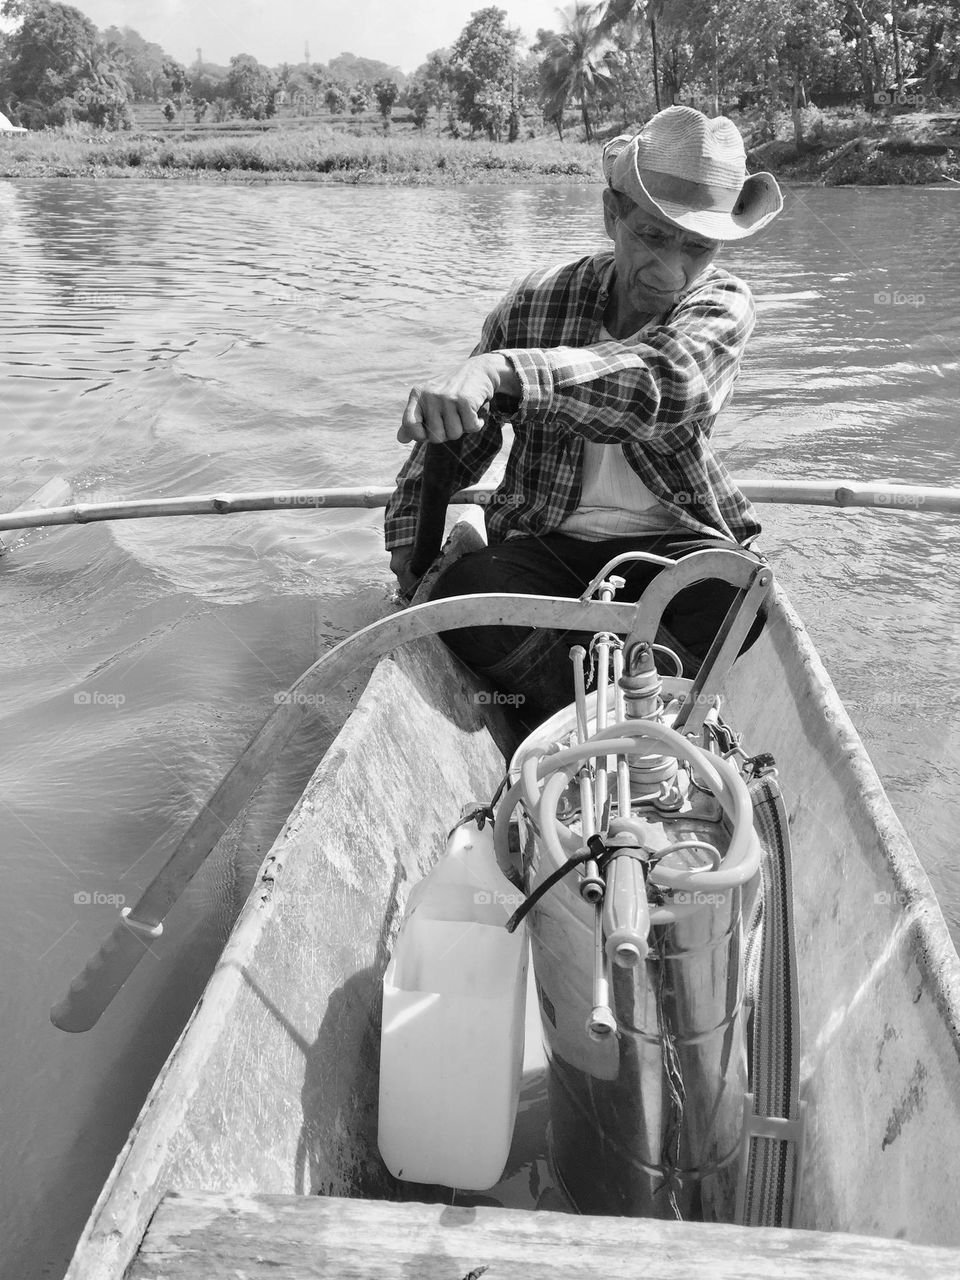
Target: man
x=612, y=370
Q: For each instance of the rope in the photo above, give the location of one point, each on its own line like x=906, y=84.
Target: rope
x=483, y=813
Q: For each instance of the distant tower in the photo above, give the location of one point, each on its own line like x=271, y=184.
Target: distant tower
x=306, y=51
x=199, y=59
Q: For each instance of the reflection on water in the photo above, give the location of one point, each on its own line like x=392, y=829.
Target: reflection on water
x=163, y=340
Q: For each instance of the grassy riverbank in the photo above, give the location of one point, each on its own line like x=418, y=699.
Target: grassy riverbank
x=320, y=153
x=840, y=147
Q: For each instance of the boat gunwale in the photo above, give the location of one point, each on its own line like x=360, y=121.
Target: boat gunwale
x=936, y=953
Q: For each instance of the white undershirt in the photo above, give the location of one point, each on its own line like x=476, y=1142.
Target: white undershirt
x=614, y=501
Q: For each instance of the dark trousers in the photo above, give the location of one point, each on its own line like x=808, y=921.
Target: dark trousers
x=534, y=665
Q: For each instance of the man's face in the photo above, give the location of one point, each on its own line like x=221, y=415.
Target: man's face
x=656, y=261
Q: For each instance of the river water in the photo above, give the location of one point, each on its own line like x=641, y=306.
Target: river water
x=165, y=339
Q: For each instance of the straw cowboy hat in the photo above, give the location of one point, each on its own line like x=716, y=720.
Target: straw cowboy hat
x=693, y=171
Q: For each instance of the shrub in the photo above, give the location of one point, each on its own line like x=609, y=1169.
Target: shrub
x=883, y=169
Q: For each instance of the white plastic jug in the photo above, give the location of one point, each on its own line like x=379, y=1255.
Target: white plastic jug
x=451, y=1047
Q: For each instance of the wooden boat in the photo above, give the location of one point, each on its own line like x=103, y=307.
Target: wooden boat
x=256, y=1151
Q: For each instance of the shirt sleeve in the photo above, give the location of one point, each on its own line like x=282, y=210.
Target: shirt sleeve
x=477, y=451
x=656, y=388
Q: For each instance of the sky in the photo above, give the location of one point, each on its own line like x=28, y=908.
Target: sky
x=398, y=32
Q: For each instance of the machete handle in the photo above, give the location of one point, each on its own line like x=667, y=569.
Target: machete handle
x=112, y=965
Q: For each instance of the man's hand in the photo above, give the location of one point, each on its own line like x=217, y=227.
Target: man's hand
x=400, y=568
x=449, y=406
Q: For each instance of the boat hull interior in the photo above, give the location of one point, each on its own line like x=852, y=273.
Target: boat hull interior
x=272, y=1087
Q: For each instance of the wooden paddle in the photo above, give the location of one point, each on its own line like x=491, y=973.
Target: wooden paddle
x=104, y=975
x=818, y=493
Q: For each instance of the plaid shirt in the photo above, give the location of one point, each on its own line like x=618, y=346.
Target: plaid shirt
x=656, y=395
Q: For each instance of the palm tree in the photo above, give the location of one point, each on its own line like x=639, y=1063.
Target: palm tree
x=572, y=65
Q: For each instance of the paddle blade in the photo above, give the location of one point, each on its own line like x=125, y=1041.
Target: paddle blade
x=52, y=494
x=103, y=976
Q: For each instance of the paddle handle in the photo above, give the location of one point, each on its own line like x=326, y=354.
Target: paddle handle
x=103, y=975
x=440, y=464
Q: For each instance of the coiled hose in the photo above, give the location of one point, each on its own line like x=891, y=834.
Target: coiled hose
x=546, y=773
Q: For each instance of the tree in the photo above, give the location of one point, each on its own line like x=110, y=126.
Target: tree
x=300, y=84
x=936, y=43
x=335, y=99
x=771, y=52
x=682, y=45
x=526, y=83
x=627, y=61
x=572, y=66
x=141, y=60
x=57, y=68
x=44, y=55
x=177, y=82
x=780, y=46
x=103, y=93
x=434, y=81
x=386, y=92
x=893, y=42
x=804, y=44
x=650, y=14
x=484, y=66
x=551, y=104
x=251, y=87
x=209, y=84
x=360, y=100
x=417, y=101
x=351, y=70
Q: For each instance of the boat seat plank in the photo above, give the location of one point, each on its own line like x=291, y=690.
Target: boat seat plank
x=312, y=1237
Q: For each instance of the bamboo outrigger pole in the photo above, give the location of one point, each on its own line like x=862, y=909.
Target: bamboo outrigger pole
x=819, y=493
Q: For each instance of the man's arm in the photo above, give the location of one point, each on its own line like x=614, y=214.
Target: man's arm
x=653, y=389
